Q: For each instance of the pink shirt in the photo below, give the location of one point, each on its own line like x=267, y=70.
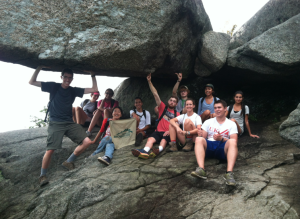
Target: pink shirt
x=107, y=105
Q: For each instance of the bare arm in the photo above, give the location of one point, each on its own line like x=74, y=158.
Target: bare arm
x=175, y=88
x=233, y=136
x=202, y=133
x=248, y=127
x=101, y=107
x=174, y=124
x=153, y=90
x=33, y=80
x=94, y=84
x=195, y=131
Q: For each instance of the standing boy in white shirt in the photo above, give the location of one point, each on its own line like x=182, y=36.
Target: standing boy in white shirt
x=217, y=139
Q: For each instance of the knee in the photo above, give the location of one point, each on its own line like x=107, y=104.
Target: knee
x=151, y=140
x=206, y=112
x=87, y=141
x=199, y=141
x=232, y=142
x=188, y=122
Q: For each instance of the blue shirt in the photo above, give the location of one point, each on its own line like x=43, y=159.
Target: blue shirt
x=204, y=106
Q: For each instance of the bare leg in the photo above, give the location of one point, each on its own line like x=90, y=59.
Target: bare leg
x=80, y=115
x=163, y=143
x=107, y=114
x=237, y=125
x=173, y=132
x=47, y=159
x=231, y=151
x=150, y=142
x=189, y=126
x=213, y=115
x=205, y=115
x=81, y=148
x=137, y=120
x=95, y=119
x=156, y=110
x=200, y=148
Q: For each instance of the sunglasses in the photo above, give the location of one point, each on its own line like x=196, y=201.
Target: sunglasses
x=108, y=93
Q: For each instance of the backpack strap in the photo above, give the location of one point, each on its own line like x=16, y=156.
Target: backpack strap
x=144, y=113
x=112, y=103
x=202, y=100
x=215, y=99
x=85, y=102
x=164, y=112
x=229, y=111
x=54, y=91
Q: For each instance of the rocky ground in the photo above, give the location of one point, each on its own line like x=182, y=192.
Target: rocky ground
x=267, y=172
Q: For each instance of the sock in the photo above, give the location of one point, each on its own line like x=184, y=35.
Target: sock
x=173, y=141
x=147, y=149
x=160, y=148
x=71, y=158
x=43, y=172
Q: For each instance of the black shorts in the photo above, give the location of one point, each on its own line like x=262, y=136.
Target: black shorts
x=158, y=136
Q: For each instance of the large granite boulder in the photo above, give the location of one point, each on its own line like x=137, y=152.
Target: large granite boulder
x=115, y=38
x=272, y=14
x=290, y=128
x=276, y=51
x=267, y=171
x=212, y=53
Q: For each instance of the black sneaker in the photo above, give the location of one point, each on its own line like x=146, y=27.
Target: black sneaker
x=104, y=159
x=139, y=139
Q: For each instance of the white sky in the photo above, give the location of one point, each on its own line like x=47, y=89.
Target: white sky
x=20, y=100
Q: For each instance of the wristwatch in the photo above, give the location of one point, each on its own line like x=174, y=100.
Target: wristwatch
x=188, y=132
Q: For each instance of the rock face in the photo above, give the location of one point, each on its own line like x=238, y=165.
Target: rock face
x=267, y=171
x=212, y=53
x=276, y=51
x=290, y=129
x=115, y=38
x=272, y=14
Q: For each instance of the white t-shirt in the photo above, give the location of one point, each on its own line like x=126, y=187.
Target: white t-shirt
x=211, y=126
x=238, y=117
x=195, y=118
x=143, y=121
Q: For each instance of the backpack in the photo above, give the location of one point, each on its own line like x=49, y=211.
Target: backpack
x=112, y=103
x=54, y=91
x=144, y=113
x=243, y=111
x=164, y=112
x=86, y=101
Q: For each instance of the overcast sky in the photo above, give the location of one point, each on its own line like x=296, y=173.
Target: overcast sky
x=20, y=100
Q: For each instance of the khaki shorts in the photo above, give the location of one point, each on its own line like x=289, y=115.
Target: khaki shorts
x=57, y=130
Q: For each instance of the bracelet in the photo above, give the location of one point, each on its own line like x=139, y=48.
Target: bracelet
x=188, y=132
x=93, y=76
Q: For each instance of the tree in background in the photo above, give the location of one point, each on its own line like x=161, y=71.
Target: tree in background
x=230, y=32
x=38, y=121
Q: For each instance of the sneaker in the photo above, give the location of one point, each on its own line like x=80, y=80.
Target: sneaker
x=43, y=180
x=139, y=139
x=199, y=172
x=89, y=134
x=104, y=159
x=141, y=153
x=154, y=153
x=173, y=147
x=68, y=165
x=188, y=146
x=229, y=179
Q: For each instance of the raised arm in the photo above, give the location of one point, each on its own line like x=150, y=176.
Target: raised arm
x=175, y=88
x=33, y=80
x=153, y=90
x=94, y=86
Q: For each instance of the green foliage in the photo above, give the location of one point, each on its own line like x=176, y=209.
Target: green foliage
x=230, y=32
x=38, y=121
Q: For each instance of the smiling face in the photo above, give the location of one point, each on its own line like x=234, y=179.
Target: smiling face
x=66, y=80
x=208, y=91
x=138, y=104
x=238, y=98
x=117, y=114
x=172, y=102
x=108, y=94
x=189, y=106
x=95, y=96
x=220, y=110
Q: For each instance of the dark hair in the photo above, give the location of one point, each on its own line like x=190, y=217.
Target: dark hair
x=191, y=100
x=213, y=90
x=243, y=104
x=183, y=88
x=111, y=90
x=222, y=102
x=175, y=97
x=68, y=71
x=137, y=98
x=95, y=92
x=117, y=107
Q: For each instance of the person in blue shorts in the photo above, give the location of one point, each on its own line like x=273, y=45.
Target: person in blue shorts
x=217, y=139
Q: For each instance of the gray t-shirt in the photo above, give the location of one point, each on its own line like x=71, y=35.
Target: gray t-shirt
x=61, y=107
x=89, y=108
x=238, y=117
x=180, y=105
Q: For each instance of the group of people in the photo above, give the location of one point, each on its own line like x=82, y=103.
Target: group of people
x=213, y=132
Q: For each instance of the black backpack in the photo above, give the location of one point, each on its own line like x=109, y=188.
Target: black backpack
x=144, y=113
x=54, y=91
x=164, y=112
x=243, y=112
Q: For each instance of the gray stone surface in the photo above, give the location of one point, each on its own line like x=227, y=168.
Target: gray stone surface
x=212, y=53
x=114, y=38
x=290, y=128
x=267, y=172
x=276, y=51
x=272, y=14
